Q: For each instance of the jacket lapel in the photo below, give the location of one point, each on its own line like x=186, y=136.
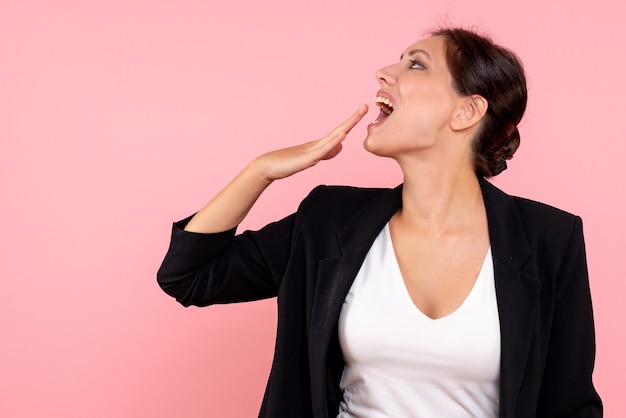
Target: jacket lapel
x=335, y=275
x=517, y=292
x=334, y=278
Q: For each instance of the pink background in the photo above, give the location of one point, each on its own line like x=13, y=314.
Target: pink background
x=118, y=117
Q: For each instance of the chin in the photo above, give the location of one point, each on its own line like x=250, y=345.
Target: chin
x=372, y=147
x=368, y=144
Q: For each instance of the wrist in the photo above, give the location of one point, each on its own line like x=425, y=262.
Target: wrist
x=257, y=170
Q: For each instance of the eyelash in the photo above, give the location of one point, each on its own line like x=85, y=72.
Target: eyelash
x=419, y=65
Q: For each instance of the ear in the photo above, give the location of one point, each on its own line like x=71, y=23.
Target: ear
x=471, y=111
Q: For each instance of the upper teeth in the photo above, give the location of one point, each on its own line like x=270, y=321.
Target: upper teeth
x=388, y=106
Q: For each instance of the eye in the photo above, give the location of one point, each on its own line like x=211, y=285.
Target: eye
x=416, y=65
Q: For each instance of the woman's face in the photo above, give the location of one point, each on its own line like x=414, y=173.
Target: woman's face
x=416, y=98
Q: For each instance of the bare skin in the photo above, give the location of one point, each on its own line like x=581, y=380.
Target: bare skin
x=440, y=235
x=230, y=206
x=440, y=262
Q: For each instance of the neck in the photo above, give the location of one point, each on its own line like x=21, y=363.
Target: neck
x=438, y=199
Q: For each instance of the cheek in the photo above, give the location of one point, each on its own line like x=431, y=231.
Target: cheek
x=421, y=119
x=431, y=111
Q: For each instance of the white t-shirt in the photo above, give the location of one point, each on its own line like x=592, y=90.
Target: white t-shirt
x=401, y=363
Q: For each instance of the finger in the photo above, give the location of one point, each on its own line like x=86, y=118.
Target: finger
x=330, y=145
x=340, y=132
x=351, y=122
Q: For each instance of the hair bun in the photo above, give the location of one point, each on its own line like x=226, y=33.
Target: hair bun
x=511, y=144
x=505, y=151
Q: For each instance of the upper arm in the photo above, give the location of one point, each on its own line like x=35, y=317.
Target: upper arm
x=567, y=389
x=203, y=269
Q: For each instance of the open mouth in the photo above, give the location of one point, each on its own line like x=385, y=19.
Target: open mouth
x=386, y=108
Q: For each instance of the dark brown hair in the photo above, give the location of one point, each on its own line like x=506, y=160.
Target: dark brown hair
x=479, y=66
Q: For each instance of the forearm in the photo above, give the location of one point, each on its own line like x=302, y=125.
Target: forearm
x=231, y=205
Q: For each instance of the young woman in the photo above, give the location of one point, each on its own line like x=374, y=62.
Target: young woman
x=443, y=297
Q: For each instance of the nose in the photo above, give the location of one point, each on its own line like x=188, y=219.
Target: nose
x=385, y=76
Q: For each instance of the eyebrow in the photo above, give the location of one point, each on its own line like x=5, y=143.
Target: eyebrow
x=416, y=51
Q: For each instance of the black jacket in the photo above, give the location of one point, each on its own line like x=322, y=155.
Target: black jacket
x=309, y=260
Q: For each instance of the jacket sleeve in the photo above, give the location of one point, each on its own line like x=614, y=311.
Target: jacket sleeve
x=567, y=389
x=204, y=269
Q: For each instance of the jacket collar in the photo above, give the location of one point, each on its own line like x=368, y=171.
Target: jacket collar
x=517, y=293
x=506, y=231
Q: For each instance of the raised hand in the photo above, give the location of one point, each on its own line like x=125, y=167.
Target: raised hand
x=287, y=161
x=228, y=208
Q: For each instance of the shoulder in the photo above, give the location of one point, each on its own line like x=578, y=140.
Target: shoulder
x=338, y=204
x=344, y=198
x=344, y=195
x=542, y=212
x=540, y=222
x=531, y=212
x=548, y=227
